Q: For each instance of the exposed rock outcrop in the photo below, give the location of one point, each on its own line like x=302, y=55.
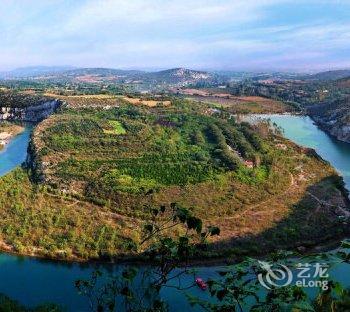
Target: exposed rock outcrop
x=33, y=113
x=16, y=106
x=333, y=118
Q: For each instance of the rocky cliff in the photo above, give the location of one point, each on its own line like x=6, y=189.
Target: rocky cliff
x=32, y=113
x=333, y=118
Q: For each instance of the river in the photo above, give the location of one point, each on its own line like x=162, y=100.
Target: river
x=15, y=152
x=303, y=131
x=32, y=281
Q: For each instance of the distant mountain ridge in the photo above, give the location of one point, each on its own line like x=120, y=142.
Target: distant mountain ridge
x=174, y=76
x=330, y=75
x=181, y=75
x=101, y=71
x=34, y=71
x=169, y=74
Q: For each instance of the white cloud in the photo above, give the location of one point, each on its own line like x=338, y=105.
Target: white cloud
x=164, y=33
x=141, y=11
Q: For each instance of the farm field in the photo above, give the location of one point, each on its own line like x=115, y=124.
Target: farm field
x=105, y=101
x=240, y=104
x=146, y=102
x=80, y=101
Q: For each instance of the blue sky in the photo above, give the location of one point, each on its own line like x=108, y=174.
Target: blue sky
x=156, y=34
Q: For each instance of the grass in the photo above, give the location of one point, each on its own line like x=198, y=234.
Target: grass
x=117, y=128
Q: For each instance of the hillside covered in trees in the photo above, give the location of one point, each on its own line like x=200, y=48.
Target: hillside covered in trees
x=93, y=174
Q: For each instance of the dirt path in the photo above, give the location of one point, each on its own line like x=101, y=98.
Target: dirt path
x=250, y=208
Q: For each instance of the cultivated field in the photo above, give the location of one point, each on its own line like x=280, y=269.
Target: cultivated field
x=105, y=101
x=146, y=102
x=243, y=104
x=81, y=101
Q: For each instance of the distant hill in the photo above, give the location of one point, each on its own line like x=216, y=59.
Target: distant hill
x=176, y=76
x=330, y=75
x=181, y=76
x=343, y=83
x=173, y=77
x=170, y=76
x=34, y=71
x=102, y=72
x=182, y=73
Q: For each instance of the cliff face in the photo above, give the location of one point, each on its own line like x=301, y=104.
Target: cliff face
x=333, y=118
x=33, y=113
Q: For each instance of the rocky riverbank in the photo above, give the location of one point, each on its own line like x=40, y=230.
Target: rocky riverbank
x=335, y=128
x=7, y=132
x=334, y=118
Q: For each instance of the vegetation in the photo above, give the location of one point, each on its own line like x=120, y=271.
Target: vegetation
x=96, y=175
x=35, y=222
x=116, y=128
x=254, y=184
x=10, y=127
x=9, y=305
x=234, y=288
x=243, y=104
x=20, y=99
x=87, y=100
x=153, y=149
